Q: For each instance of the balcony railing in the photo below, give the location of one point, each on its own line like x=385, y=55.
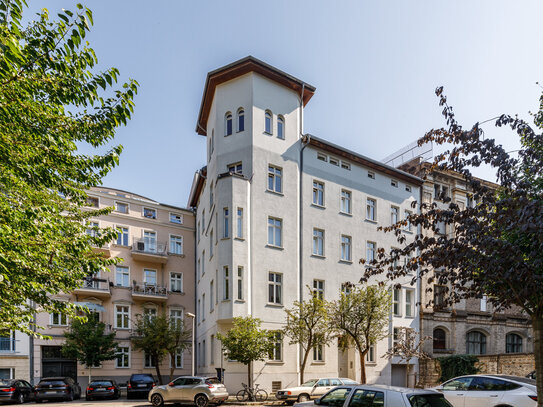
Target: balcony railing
x=149, y=247
x=95, y=283
x=149, y=289
x=7, y=345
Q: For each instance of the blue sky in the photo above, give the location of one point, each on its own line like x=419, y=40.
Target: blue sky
x=375, y=65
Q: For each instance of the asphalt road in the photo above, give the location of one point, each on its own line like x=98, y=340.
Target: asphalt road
x=117, y=403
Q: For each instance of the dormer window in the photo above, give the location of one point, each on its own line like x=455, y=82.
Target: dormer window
x=241, y=119
x=228, y=124
x=268, y=122
x=149, y=213
x=281, y=127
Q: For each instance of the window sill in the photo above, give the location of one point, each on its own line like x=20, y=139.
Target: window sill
x=397, y=316
x=271, y=246
x=225, y=238
x=318, y=256
x=318, y=362
x=126, y=287
x=408, y=231
x=270, y=191
x=225, y=300
x=267, y=134
x=274, y=305
x=240, y=301
x=314, y=205
x=126, y=246
x=371, y=363
x=176, y=254
x=370, y=221
x=346, y=261
x=346, y=214
x=121, y=329
x=275, y=362
x=177, y=292
x=241, y=239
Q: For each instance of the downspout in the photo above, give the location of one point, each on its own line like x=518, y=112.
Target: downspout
x=193, y=350
x=419, y=291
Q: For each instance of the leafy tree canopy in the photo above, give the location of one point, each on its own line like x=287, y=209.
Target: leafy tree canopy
x=51, y=101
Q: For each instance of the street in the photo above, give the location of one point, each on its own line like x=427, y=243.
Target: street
x=128, y=403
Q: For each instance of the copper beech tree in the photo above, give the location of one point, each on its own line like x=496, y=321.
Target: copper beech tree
x=496, y=248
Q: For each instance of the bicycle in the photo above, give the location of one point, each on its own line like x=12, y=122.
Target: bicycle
x=252, y=393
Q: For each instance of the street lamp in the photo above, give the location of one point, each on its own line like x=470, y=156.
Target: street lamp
x=191, y=315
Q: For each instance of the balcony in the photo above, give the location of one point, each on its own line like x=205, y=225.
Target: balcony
x=97, y=287
x=105, y=250
x=149, y=250
x=146, y=291
x=7, y=345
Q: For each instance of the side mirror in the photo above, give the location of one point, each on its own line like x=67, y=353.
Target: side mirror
x=317, y=402
x=171, y=384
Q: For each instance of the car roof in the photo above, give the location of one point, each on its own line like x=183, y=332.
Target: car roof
x=394, y=388
x=54, y=378
x=520, y=379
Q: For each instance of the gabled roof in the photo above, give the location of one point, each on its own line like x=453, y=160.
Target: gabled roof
x=239, y=68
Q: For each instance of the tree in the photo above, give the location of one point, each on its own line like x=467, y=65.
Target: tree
x=88, y=342
x=497, y=244
x=361, y=316
x=51, y=103
x=246, y=343
x=308, y=324
x=160, y=336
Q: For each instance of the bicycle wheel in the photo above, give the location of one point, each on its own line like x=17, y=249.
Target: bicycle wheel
x=242, y=395
x=261, y=395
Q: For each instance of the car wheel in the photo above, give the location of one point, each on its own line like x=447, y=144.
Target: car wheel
x=157, y=400
x=21, y=398
x=70, y=397
x=302, y=398
x=200, y=400
x=39, y=400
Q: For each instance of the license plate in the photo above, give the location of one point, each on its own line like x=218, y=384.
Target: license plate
x=142, y=385
x=50, y=392
x=100, y=389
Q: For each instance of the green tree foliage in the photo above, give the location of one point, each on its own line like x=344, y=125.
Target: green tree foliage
x=361, y=317
x=51, y=102
x=245, y=342
x=308, y=325
x=457, y=365
x=496, y=245
x=160, y=336
x=88, y=342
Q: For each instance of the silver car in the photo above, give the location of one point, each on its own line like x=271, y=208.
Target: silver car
x=190, y=390
x=311, y=389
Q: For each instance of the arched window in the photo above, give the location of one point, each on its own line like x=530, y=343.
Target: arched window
x=241, y=120
x=281, y=127
x=475, y=343
x=268, y=122
x=440, y=339
x=228, y=124
x=513, y=343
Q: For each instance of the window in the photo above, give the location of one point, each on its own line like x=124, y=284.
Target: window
x=370, y=252
x=318, y=193
x=211, y=294
x=149, y=276
x=274, y=231
x=235, y=168
x=370, y=356
x=179, y=360
x=394, y=183
x=440, y=293
x=149, y=213
x=475, y=343
x=240, y=283
x=212, y=143
x=176, y=244
x=210, y=197
x=123, y=357
x=226, y=283
x=203, y=307
x=334, y=161
x=408, y=188
x=513, y=343
x=440, y=192
x=228, y=124
x=322, y=157
x=345, y=201
x=176, y=316
x=203, y=221
x=276, y=354
x=203, y=352
x=198, y=266
x=122, y=316
x=318, y=242
x=268, y=122
x=239, y=223
x=226, y=223
x=149, y=241
x=439, y=339
x=275, y=179
x=274, y=288
x=199, y=311
x=394, y=215
x=395, y=337
x=241, y=120
x=211, y=243
x=176, y=282
x=59, y=319
x=176, y=218
x=318, y=289
x=281, y=127
x=409, y=302
x=346, y=166
x=407, y=214
x=396, y=302
x=318, y=353
x=212, y=350
x=149, y=313
x=346, y=248
x=93, y=202
x=92, y=229
x=121, y=207
x=198, y=230
x=370, y=209
x=122, y=276
x=371, y=175
x=122, y=236
x=149, y=361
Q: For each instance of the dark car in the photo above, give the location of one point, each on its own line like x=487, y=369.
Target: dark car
x=15, y=391
x=103, y=389
x=140, y=385
x=55, y=388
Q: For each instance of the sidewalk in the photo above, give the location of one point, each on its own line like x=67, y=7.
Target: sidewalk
x=271, y=401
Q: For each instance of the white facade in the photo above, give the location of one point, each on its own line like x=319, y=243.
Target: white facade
x=284, y=241
x=15, y=356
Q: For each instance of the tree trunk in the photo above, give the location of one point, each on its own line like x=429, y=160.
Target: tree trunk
x=362, y=355
x=250, y=378
x=90, y=374
x=302, y=367
x=537, y=325
x=157, y=367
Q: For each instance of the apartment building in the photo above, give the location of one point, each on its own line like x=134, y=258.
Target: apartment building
x=156, y=275
x=15, y=356
x=472, y=326
x=279, y=211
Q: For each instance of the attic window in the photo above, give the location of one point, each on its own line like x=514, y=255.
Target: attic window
x=346, y=166
x=371, y=175
x=322, y=157
x=93, y=202
x=394, y=183
x=334, y=161
x=408, y=188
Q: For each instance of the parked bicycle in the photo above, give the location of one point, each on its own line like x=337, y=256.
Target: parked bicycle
x=251, y=393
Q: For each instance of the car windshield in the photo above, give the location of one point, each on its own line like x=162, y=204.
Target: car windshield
x=101, y=383
x=52, y=383
x=428, y=400
x=309, y=383
x=142, y=378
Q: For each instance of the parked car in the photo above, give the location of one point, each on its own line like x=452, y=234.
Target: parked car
x=101, y=389
x=15, y=391
x=190, y=390
x=311, y=389
x=140, y=385
x=378, y=396
x=54, y=388
x=490, y=390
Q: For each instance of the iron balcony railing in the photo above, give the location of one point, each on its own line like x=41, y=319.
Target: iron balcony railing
x=7, y=345
x=95, y=283
x=149, y=246
x=149, y=289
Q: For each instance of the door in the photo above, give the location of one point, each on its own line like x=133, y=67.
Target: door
x=398, y=375
x=455, y=391
x=322, y=386
x=175, y=392
x=484, y=391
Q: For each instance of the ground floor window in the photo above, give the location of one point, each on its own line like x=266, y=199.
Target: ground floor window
x=513, y=343
x=476, y=343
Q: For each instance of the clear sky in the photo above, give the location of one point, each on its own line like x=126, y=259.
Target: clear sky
x=375, y=65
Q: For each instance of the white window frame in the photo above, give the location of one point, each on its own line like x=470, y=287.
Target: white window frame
x=240, y=115
x=318, y=353
x=274, y=225
x=318, y=288
x=179, y=357
x=121, y=236
x=177, y=319
x=268, y=122
x=239, y=284
x=276, y=286
x=123, y=356
x=346, y=243
x=228, y=117
x=322, y=157
x=90, y=198
x=239, y=223
x=235, y=168
x=122, y=203
x=334, y=161
x=178, y=218
x=148, y=361
x=275, y=173
x=394, y=214
x=318, y=193
x=371, y=251
x=123, y=314
x=371, y=209
x=145, y=276
x=318, y=242
x=370, y=356
x=409, y=305
x=226, y=283
x=277, y=347
x=226, y=223
x=280, y=127
x=62, y=319
x=175, y=280
x=397, y=302
x=211, y=295
x=176, y=241
x=345, y=202
x=371, y=175
x=408, y=226
x=150, y=211
x=117, y=282
x=394, y=183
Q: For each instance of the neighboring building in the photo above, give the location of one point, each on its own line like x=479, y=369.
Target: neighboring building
x=15, y=356
x=279, y=211
x=156, y=243
x=470, y=326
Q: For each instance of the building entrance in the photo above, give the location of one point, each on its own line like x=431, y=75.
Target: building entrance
x=53, y=364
